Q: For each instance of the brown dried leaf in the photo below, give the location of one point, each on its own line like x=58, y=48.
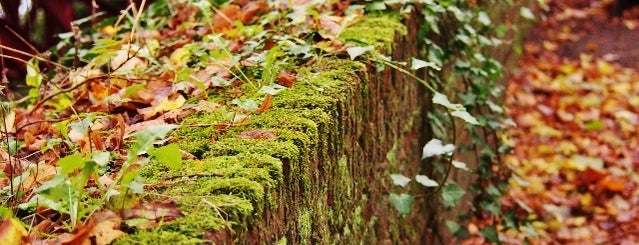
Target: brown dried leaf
x=107, y=227
x=259, y=134
x=286, y=78
x=152, y=213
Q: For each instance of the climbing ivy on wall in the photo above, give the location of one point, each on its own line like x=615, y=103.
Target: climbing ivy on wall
x=456, y=66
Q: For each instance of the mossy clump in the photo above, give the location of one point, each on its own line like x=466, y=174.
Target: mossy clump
x=322, y=85
x=378, y=31
x=233, y=146
x=199, y=131
x=287, y=119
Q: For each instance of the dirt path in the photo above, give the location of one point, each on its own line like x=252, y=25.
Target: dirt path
x=575, y=100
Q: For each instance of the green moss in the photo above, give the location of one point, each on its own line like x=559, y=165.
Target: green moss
x=207, y=213
x=378, y=31
x=199, y=131
x=215, y=193
x=235, y=146
x=288, y=119
x=241, y=187
x=282, y=241
x=305, y=225
x=322, y=85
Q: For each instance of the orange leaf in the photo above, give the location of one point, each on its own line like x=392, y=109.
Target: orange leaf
x=251, y=9
x=286, y=78
x=616, y=184
x=266, y=104
x=225, y=17
x=12, y=232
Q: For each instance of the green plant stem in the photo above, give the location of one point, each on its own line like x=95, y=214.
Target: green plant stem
x=410, y=74
x=449, y=167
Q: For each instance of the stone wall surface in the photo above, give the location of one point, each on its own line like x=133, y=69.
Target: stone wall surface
x=313, y=169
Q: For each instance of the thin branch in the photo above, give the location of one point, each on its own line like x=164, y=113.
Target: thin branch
x=32, y=56
x=35, y=50
x=194, y=175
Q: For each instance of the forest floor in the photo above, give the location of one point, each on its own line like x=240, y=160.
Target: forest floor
x=575, y=100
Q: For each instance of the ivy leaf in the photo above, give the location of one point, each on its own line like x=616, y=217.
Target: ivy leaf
x=425, y=181
x=417, y=64
x=70, y=163
x=451, y=193
x=402, y=202
x=465, y=116
x=483, y=18
x=34, y=77
x=526, y=13
x=452, y=226
x=272, y=89
x=145, y=138
x=490, y=233
x=136, y=187
x=101, y=158
x=460, y=165
x=434, y=147
x=170, y=156
x=246, y=104
x=399, y=179
x=458, y=110
x=376, y=6
x=355, y=52
x=442, y=99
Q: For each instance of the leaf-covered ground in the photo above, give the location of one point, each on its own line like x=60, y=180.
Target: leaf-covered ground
x=575, y=101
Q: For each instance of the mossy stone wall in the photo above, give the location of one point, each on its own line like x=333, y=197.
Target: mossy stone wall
x=315, y=169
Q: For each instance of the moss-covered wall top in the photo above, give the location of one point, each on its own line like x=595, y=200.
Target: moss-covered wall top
x=312, y=169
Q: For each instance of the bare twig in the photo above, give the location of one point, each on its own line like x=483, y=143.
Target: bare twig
x=30, y=55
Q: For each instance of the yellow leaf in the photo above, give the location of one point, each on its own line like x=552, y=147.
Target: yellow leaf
x=167, y=104
x=605, y=68
x=567, y=68
x=12, y=232
x=585, y=200
x=545, y=131
x=179, y=56
x=536, y=186
x=580, y=162
x=555, y=225
x=567, y=148
x=634, y=101
x=109, y=30
x=546, y=149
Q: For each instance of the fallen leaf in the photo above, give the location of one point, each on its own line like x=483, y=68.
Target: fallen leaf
x=149, y=214
x=107, y=227
x=286, y=78
x=225, y=16
x=266, y=104
x=12, y=232
x=259, y=134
